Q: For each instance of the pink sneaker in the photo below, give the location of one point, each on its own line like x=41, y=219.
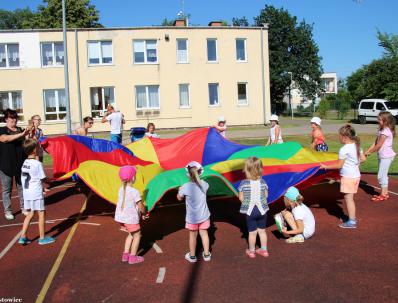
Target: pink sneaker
x=125, y=257
x=135, y=259
x=250, y=254
x=262, y=252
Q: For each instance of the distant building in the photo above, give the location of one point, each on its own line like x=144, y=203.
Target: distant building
x=175, y=76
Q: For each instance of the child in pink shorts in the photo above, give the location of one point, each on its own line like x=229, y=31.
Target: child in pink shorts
x=128, y=209
x=197, y=213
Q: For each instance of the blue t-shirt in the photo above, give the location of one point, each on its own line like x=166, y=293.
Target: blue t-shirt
x=195, y=201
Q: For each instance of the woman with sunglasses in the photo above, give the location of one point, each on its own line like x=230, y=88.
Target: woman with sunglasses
x=83, y=130
x=12, y=157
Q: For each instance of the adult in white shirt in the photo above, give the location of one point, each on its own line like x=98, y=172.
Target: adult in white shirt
x=116, y=120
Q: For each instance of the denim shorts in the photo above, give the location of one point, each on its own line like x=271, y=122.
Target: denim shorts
x=117, y=138
x=256, y=220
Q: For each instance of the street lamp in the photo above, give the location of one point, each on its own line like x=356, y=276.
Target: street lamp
x=66, y=74
x=290, y=93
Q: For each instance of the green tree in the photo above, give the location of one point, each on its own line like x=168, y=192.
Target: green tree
x=323, y=108
x=291, y=49
x=240, y=21
x=343, y=103
x=79, y=14
x=389, y=42
x=17, y=19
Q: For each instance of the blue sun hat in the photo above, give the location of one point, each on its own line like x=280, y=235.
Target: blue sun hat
x=292, y=193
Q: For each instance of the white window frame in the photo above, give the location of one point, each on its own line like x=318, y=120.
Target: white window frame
x=186, y=40
x=57, y=112
x=218, y=94
x=247, y=94
x=145, y=52
x=236, y=49
x=6, y=53
x=101, y=112
x=53, y=52
x=207, y=50
x=147, y=98
x=189, y=95
x=21, y=114
x=99, y=44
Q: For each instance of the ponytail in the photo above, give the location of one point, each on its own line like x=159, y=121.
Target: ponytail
x=194, y=176
x=124, y=193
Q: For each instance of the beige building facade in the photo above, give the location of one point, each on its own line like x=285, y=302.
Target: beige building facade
x=171, y=76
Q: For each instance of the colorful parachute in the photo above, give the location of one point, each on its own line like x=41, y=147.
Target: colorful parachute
x=161, y=162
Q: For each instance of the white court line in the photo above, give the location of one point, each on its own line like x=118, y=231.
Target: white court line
x=89, y=223
x=13, y=241
x=161, y=274
x=157, y=248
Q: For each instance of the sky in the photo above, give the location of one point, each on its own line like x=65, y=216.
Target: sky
x=344, y=30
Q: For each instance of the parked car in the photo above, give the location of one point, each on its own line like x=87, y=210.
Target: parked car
x=369, y=109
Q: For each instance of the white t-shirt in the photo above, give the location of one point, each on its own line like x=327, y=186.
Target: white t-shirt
x=350, y=168
x=303, y=213
x=195, y=200
x=129, y=214
x=272, y=134
x=151, y=135
x=32, y=174
x=116, y=121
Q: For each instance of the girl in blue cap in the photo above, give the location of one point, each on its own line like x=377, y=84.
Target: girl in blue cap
x=298, y=217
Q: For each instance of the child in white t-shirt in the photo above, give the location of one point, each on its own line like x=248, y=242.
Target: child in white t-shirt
x=150, y=131
x=32, y=178
x=275, y=132
x=128, y=209
x=197, y=217
x=298, y=216
x=221, y=126
x=350, y=156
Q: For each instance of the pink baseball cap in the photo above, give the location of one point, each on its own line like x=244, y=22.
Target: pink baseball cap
x=127, y=173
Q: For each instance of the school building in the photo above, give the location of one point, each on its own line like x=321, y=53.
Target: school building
x=174, y=76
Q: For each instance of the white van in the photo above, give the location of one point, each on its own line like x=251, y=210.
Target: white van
x=369, y=109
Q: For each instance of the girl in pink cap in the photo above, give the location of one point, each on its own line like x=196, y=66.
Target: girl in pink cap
x=128, y=209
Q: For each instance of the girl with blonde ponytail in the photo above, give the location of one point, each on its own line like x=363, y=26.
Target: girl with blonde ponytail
x=197, y=212
x=350, y=156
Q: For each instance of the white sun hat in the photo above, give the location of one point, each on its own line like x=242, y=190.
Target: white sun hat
x=221, y=119
x=198, y=166
x=316, y=120
x=274, y=118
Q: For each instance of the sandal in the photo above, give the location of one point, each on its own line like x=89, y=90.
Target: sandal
x=262, y=252
x=380, y=198
x=250, y=254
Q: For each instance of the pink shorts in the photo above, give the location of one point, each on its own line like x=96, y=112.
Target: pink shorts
x=195, y=227
x=349, y=185
x=131, y=228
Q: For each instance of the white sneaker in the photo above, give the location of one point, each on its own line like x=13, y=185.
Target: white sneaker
x=189, y=258
x=279, y=221
x=9, y=216
x=24, y=212
x=296, y=239
x=206, y=258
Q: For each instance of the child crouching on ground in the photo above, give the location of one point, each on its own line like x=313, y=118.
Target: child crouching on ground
x=32, y=178
x=298, y=216
x=253, y=193
x=197, y=212
x=128, y=209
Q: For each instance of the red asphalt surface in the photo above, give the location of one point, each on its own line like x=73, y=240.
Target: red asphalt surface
x=336, y=265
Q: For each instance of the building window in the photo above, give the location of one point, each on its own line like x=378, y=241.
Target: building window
x=213, y=94
x=100, y=98
x=9, y=55
x=55, y=104
x=100, y=52
x=184, y=95
x=212, y=50
x=52, y=54
x=147, y=97
x=12, y=100
x=242, y=94
x=240, y=49
x=145, y=51
x=182, y=50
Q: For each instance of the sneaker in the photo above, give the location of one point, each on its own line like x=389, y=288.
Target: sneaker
x=206, y=257
x=9, y=216
x=262, y=252
x=46, y=240
x=295, y=239
x=24, y=241
x=279, y=221
x=135, y=259
x=251, y=254
x=125, y=257
x=24, y=212
x=190, y=258
x=349, y=224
